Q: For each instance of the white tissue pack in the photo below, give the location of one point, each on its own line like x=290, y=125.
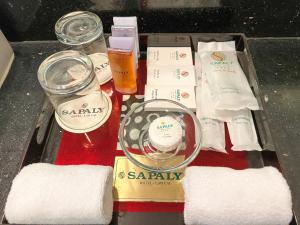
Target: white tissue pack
x=171, y=75
x=227, y=81
x=169, y=56
x=181, y=94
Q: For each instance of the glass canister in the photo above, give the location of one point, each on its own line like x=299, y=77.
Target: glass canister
x=69, y=80
x=83, y=31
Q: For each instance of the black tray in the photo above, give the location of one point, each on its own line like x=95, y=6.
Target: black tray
x=45, y=141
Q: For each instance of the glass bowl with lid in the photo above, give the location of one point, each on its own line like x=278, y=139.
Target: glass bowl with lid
x=160, y=139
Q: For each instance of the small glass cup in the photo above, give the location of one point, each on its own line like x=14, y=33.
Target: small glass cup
x=69, y=80
x=82, y=31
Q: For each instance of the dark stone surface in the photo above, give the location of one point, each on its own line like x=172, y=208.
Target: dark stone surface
x=21, y=99
x=278, y=70
x=35, y=19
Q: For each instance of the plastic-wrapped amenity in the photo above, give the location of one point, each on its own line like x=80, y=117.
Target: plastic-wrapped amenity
x=242, y=132
x=206, y=104
x=213, y=135
x=226, y=79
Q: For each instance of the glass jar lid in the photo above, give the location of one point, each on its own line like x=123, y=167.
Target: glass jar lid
x=162, y=140
x=77, y=28
x=66, y=72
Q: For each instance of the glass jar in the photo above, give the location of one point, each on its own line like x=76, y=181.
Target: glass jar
x=81, y=30
x=69, y=80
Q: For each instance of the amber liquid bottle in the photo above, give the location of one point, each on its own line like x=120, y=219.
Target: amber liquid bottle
x=122, y=64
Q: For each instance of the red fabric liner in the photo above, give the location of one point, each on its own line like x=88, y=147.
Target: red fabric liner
x=99, y=148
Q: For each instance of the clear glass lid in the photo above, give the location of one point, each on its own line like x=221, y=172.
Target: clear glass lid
x=77, y=28
x=66, y=72
x=161, y=140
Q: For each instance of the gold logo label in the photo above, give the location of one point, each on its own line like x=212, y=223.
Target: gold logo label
x=185, y=95
x=218, y=56
x=184, y=73
x=132, y=183
x=122, y=175
x=182, y=55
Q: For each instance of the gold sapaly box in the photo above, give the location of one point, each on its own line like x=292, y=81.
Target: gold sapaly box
x=6, y=57
x=132, y=183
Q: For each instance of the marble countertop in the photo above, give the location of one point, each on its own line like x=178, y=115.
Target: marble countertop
x=278, y=70
x=21, y=99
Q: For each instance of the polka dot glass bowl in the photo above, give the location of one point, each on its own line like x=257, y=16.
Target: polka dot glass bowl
x=160, y=140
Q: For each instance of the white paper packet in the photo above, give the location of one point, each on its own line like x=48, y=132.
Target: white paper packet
x=169, y=56
x=171, y=75
x=181, y=94
x=242, y=132
x=213, y=134
x=226, y=79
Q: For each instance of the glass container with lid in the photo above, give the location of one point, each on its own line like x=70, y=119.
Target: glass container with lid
x=162, y=140
x=83, y=31
x=69, y=80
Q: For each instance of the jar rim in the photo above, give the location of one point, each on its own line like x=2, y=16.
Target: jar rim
x=49, y=74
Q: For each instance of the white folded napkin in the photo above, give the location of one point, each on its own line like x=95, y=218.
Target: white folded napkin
x=223, y=196
x=48, y=194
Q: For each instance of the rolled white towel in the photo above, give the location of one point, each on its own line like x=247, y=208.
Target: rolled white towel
x=48, y=194
x=223, y=196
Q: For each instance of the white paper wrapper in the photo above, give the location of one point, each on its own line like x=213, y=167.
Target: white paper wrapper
x=169, y=56
x=181, y=94
x=170, y=75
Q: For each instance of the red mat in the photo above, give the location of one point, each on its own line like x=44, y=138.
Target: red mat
x=99, y=148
